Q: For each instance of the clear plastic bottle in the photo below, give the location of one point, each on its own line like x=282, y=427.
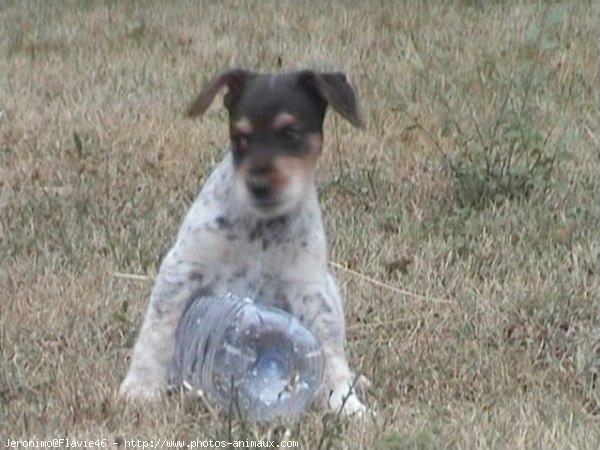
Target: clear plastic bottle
x=237, y=350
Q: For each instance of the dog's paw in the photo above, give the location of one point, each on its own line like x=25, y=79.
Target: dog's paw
x=341, y=400
x=139, y=389
x=363, y=385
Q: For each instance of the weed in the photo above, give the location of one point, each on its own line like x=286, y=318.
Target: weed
x=514, y=150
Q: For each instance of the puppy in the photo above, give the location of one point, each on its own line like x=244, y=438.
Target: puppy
x=255, y=230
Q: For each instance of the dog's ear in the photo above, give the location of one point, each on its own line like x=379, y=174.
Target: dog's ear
x=333, y=87
x=233, y=79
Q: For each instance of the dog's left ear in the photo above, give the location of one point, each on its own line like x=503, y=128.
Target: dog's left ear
x=334, y=88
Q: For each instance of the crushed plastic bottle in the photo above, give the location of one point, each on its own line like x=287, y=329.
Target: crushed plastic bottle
x=262, y=359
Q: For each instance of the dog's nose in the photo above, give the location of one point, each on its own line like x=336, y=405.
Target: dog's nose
x=261, y=190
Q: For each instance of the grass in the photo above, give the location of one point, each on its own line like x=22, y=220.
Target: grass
x=479, y=330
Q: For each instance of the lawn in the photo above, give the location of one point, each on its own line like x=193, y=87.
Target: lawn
x=462, y=218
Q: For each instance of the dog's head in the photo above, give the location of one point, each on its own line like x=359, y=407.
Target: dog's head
x=276, y=129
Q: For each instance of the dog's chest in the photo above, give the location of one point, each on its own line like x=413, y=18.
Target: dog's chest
x=266, y=259
x=236, y=252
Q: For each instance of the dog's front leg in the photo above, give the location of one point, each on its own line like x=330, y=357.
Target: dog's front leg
x=321, y=309
x=152, y=357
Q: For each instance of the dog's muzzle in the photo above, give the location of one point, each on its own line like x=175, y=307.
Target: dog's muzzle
x=261, y=190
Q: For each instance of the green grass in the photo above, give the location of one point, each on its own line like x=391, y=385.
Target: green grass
x=471, y=307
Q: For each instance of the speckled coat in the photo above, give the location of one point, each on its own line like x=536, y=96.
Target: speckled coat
x=223, y=248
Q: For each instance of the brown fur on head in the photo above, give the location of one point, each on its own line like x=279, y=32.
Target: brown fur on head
x=276, y=130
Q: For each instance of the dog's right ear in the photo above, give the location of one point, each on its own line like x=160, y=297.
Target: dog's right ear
x=233, y=79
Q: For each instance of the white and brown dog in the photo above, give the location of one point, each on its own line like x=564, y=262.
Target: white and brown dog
x=256, y=230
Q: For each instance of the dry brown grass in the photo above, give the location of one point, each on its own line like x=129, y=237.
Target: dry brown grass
x=97, y=166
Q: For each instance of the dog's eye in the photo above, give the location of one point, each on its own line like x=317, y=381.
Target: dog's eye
x=240, y=141
x=291, y=134
x=239, y=145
